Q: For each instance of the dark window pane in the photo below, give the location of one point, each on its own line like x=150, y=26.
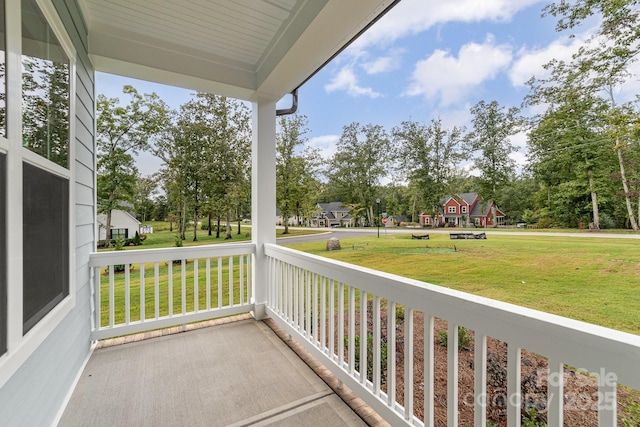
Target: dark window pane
x=45, y=243
x=3, y=253
x=3, y=81
x=119, y=233
x=45, y=88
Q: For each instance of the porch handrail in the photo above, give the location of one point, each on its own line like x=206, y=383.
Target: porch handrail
x=301, y=294
x=135, y=290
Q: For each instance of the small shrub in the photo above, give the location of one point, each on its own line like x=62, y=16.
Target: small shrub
x=606, y=222
x=399, y=314
x=178, y=242
x=632, y=418
x=383, y=356
x=464, y=339
x=119, y=246
x=532, y=419
x=136, y=239
x=545, y=222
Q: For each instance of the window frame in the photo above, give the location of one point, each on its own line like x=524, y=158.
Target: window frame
x=451, y=209
x=124, y=236
x=21, y=346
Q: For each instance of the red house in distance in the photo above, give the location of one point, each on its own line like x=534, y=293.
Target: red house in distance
x=463, y=210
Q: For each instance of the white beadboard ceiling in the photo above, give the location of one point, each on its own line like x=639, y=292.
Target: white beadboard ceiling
x=239, y=48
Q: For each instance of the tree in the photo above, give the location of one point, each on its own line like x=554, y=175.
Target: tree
x=489, y=139
x=567, y=148
x=296, y=184
x=429, y=157
x=358, y=166
x=603, y=65
x=122, y=131
x=145, y=188
x=45, y=117
x=206, y=154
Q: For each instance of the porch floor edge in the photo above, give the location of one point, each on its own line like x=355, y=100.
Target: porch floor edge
x=364, y=411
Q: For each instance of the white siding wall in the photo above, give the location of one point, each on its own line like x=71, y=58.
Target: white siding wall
x=120, y=219
x=36, y=393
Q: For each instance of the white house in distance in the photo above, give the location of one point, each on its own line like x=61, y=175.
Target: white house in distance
x=123, y=225
x=332, y=214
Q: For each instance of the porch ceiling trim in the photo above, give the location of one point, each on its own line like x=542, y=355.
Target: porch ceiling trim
x=242, y=49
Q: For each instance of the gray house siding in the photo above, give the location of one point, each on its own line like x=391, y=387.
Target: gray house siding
x=36, y=393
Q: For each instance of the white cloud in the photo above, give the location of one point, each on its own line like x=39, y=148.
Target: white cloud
x=414, y=16
x=325, y=143
x=346, y=80
x=384, y=64
x=449, y=78
x=530, y=61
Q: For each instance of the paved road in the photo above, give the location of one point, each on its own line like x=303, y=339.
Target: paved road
x=341, y=233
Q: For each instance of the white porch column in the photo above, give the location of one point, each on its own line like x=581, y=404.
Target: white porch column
x=263, y=195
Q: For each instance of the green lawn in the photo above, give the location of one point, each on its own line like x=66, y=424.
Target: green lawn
x=163, y=238
x=590, y=279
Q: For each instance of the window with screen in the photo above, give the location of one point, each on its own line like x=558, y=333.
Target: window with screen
x=45, y=88
x=3, y=253
x=119, y=233
x=45, y=243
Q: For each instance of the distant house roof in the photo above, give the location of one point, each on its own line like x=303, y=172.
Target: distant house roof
x=333, y=207
x=102, y=218
x=468, y=197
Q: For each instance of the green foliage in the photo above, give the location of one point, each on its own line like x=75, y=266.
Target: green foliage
x=429, y=156
x=207, y=158
x=383, y=356
x=493, y=125
x=119, y=246
x=137, y=241
x=178, y=241
x=464, y=339
x=297, y=186
x=121, y=131
x=632, y=416
x=532, y=419
x=545, y=222
x=358, y=166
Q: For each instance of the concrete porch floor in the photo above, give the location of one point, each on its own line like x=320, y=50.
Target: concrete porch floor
x=237, y=373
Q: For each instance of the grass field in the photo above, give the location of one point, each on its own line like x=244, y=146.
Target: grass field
x=163, y=238
x=589, y=279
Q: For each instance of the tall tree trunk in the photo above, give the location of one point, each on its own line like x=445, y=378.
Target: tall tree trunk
x=625, y=186
x=218, y=228
x=228, y=224
x=285, y=220
x=107, y=238
x=183, y=222
x=209, y=223
x=195, y=224
x=239, y=222
x=413, y=209
x=594, y=202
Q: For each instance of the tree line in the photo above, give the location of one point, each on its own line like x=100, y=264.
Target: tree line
x=583, y=162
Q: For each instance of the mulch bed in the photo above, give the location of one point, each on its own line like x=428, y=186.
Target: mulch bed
x=580, y=390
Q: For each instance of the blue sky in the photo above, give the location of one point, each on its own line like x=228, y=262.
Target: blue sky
x=425, y=59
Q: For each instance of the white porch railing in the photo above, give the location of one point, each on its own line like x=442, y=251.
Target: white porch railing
x=328, y=306
x=139, y=290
